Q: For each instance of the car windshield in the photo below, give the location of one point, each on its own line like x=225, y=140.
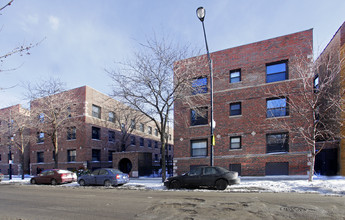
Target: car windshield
x=115, y=171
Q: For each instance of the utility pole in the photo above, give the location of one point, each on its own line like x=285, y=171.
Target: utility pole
x=10, y=147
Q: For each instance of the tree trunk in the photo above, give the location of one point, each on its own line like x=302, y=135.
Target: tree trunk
x=22, y=162
x=55, y=141
x=311, y=169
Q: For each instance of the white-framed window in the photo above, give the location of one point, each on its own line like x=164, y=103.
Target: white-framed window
x=199, y=148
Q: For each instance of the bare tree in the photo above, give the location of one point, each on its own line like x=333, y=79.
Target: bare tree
x=147, y=83
x=21, y=125
x=314, y=99
x=16, y=129
x=51, y=108
x=6, y=5
x=127, y=119
x=21, y=50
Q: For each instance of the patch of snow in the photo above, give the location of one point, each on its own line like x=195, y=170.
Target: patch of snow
x=275, y=184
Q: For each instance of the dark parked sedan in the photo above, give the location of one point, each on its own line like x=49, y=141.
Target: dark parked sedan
x=204, y=176
x=105, y=177
x=54, y=176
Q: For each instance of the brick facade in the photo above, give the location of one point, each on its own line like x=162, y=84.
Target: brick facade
x=333, y=56
x=89, y=152
x=252, y=125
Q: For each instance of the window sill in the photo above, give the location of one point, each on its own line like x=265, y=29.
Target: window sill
x=278, y=117
x=96, y=139
x=198, y=156
x=237, y=149
x=71, y=139
x=273, y=153
x=198, y=126
x=235, y=116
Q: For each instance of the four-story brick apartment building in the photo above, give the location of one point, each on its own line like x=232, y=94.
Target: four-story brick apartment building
x=244, y=110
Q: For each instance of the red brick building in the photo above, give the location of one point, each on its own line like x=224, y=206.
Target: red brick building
x=92, y=134
x=245, y=138
x=331, y=160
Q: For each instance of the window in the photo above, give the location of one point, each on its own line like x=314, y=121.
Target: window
x=277, y=107
x=149, y=143
x=96, y=111
x=40, y=137
x=156, y=132
x=236, y=168
x=71, y=155
x=110, y=155
x=41, y=117
x=235, y=142
x=277, y=142
x=111, y=117
x=141, y=142
x=199, y=116
x=96, y=133
x=199, y=148
x=71, y=133
x=53, y=155
x=123, y=128
x=316, y=84
x=40, y=157
x=133, y=142
x=199, y=85
x=156, y=144
x=210, y=171
x=169, y=147
x=277, y=168
x=142, y=128
x=132, y=124
x=69, y=112
x=96, y=155
x=235, y=109
x=235, y=76
x=111, y=136
x=156, y=157
x=149, y=130
x=276, y=71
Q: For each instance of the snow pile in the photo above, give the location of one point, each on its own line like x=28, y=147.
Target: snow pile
x=321, y=185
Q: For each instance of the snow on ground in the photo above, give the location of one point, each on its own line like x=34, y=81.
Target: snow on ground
x=284, y=184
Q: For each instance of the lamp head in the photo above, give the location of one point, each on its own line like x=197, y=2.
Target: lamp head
x=200, y=12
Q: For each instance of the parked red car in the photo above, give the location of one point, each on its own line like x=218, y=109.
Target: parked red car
x=54, y=176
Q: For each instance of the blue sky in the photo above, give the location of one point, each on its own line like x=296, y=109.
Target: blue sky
x=83, y=37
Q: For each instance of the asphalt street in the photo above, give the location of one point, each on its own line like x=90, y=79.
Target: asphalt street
x=26, y=202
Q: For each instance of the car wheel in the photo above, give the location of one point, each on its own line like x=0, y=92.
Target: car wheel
x=53, y=182
x=175, y=184
x=82, y=182
x=221, y=184
x=33, y=181
x=107, y=183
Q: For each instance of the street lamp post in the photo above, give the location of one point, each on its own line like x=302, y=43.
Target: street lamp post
x=200, y=12
x=9, y=148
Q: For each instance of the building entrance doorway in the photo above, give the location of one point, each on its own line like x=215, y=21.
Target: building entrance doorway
x=326, y=162
x=125, y=165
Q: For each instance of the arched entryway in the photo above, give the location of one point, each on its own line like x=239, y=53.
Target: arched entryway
x=125, y=165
